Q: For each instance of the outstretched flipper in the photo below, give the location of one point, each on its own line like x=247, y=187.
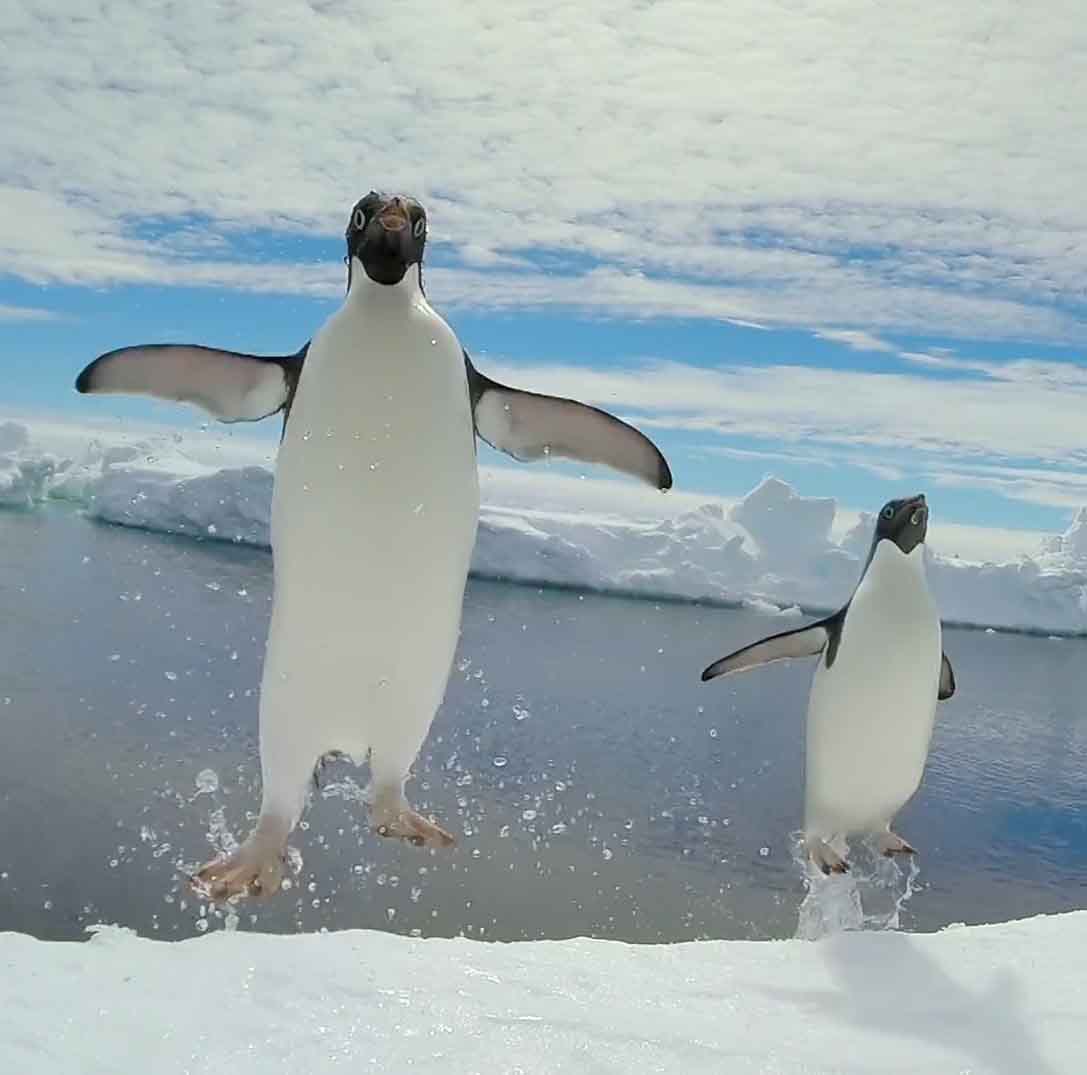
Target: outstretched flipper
x=527, y=426
x=230, y=386
x=801, y=642
x=947, y=680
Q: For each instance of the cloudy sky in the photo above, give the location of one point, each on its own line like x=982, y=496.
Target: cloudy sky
x=841, y=242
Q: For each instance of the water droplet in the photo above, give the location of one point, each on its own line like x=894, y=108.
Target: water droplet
x=234, y=655
x=504, y=832
x=212, y=529
x=485, y=702
x=500, y=762
x=243, y=592
x=528, y=815
x=306, y=435
x=713, y=733
x=764, y=851
x=202, y=924
x=558, y=828
x=207, y=781
x=374, y=466
x=114, y=656
x=213, y=586
x=171, y=676
x=608, y=854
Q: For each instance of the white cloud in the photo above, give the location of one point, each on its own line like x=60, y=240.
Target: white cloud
x=1016, y=431
x=752, y=150
x=857, y=340
x=26, y=313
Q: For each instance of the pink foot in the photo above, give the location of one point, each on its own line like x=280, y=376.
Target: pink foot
x=255, y=869
x=826, y=858
x=890, y=844
x=416, y=829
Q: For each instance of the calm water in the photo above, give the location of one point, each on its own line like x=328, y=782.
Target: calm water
x=598, y=787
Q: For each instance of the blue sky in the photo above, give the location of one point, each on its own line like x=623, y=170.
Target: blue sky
x=841, y=246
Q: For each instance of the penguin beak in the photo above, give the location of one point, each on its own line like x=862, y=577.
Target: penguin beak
x=919, y=514
x=394, y=217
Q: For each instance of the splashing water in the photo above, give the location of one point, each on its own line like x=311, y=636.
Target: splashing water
x=870, y=897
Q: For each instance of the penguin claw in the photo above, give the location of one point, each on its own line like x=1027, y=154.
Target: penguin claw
x=891, y=844
x=827, y=859
x=415, y=830
x=238, y=876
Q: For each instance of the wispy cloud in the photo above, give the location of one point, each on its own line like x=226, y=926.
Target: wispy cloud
x=758, y=163
x=1017, y=431
x=857, y=340
x=27, y=313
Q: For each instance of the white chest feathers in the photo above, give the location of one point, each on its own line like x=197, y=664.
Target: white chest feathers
x=871, y=713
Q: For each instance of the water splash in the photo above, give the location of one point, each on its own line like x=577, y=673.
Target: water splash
x=870, y=897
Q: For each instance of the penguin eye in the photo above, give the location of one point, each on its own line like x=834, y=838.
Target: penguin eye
x=915, y=518
x=359, y=219
x=888, y=512
x=419, y=229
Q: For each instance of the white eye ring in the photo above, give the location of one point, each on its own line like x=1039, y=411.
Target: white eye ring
x=888, y=512
x=360, y=219
x=419, y=230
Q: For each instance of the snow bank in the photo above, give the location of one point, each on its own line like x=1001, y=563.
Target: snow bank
x=991, y=1000
x=772, y=549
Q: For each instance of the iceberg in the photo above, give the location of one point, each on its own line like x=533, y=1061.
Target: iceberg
x=773, y=549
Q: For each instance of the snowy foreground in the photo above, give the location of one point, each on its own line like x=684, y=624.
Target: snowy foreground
x=1006, y=1000
x=773, y=549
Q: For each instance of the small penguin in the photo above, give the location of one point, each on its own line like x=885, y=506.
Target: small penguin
x=873, y=698
x=374, y=518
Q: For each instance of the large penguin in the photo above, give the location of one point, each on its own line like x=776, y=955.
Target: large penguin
x=373, y=519
x=873, y=699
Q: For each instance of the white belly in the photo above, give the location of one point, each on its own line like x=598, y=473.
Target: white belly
x=373, y=523
x=870, y=716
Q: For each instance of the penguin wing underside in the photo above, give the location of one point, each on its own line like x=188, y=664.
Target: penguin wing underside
x=231, y=386
x=530, y=426
x=803, y=642
x=947, y=679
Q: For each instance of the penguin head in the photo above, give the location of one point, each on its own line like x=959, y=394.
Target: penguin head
x=905, y=522
x=387, y=233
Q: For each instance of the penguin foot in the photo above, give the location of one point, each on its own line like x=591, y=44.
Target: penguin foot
x=250, y=871
x=890, y=844
x=415, y=829
x=826, y=858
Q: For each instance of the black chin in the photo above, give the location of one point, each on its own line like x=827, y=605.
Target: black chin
x=383, y=266
x=910, y=537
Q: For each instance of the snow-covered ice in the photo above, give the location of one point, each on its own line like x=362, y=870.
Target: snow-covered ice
x=988, y=1000
x=774, y=548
